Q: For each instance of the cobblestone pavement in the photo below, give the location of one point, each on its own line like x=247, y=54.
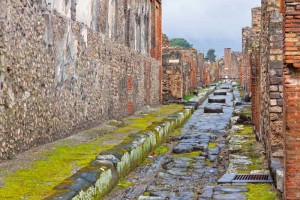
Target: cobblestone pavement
x=196, y=158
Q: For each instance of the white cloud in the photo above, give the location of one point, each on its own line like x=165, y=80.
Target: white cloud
x=208, y=23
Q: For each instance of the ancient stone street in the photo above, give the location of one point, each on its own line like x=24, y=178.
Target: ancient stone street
x=149, y=100
x=202, y=151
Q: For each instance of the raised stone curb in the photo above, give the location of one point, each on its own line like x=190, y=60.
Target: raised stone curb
x=103, y=173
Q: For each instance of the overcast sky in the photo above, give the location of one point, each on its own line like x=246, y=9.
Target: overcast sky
x=208, y=23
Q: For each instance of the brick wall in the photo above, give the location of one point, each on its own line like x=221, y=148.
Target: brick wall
x=291, y=89
x=62, y=70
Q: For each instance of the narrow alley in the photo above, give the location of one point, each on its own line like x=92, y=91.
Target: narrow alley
x=150, y=100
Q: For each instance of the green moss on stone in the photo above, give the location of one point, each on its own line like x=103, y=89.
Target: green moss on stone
x=161, y=150
x=37, y=181
x=188, y=155
x=189, y=96
x=212, y=145
x=123, y=183
x=247, y=130
x=261, y=192
x=64, y=159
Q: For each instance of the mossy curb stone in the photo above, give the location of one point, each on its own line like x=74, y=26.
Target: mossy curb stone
x=103, y=173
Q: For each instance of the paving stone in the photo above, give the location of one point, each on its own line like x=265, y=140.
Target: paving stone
x=231, y=189
x=207, y=192
x=150, y=198
x=234, y=196
x=180, y=148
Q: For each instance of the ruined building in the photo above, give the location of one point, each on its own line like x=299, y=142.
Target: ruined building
x=66, y=65
x=180, y=71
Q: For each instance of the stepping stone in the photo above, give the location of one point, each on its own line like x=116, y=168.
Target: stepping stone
x=216, y=100
x=220, y=92
x=224, y=87
x=213, y=109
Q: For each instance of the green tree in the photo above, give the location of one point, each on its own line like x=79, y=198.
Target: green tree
x=180, y=42
x=211, y=56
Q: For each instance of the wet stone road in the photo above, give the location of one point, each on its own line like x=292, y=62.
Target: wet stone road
x=196, y=157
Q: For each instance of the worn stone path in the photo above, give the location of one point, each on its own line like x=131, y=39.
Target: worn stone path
x=195, y=159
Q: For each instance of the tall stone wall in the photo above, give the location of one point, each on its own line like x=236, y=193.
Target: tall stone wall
x=271, y=78
x=291, y=88
x=66, y=65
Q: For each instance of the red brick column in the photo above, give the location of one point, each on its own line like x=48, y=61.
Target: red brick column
x=156, y=38
x=291, y=91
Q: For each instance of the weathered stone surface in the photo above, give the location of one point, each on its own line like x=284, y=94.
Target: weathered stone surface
x=74, y=67
x=233, y=196
x=213, y=109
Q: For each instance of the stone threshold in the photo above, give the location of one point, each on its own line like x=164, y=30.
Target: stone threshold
x=103, y=173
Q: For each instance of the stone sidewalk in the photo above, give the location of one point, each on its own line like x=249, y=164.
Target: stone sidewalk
x=207, y=147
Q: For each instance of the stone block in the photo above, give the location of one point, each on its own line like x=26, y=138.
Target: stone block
x=213, y=109
x=275, y=95
x=273, y=88
x=273, y=102
x=216, y=100
x=276, y=109
x=220, y=92
x=279, y=180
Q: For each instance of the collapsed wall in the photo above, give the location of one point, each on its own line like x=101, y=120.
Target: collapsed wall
x=66, y=65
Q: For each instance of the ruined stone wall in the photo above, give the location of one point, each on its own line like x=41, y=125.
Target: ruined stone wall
x=190, y=62
x=255, y=68
x=227, y=73
x=200, y=66
x=291, y=87
x=230, y=65
x=172, y=75
x=66, y=65
x=206, y=74
x=180, y=72
x=236, y=58
x=245, y=66
x=271, y=125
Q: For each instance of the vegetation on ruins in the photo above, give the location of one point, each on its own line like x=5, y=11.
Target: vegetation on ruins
x=180, y=42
